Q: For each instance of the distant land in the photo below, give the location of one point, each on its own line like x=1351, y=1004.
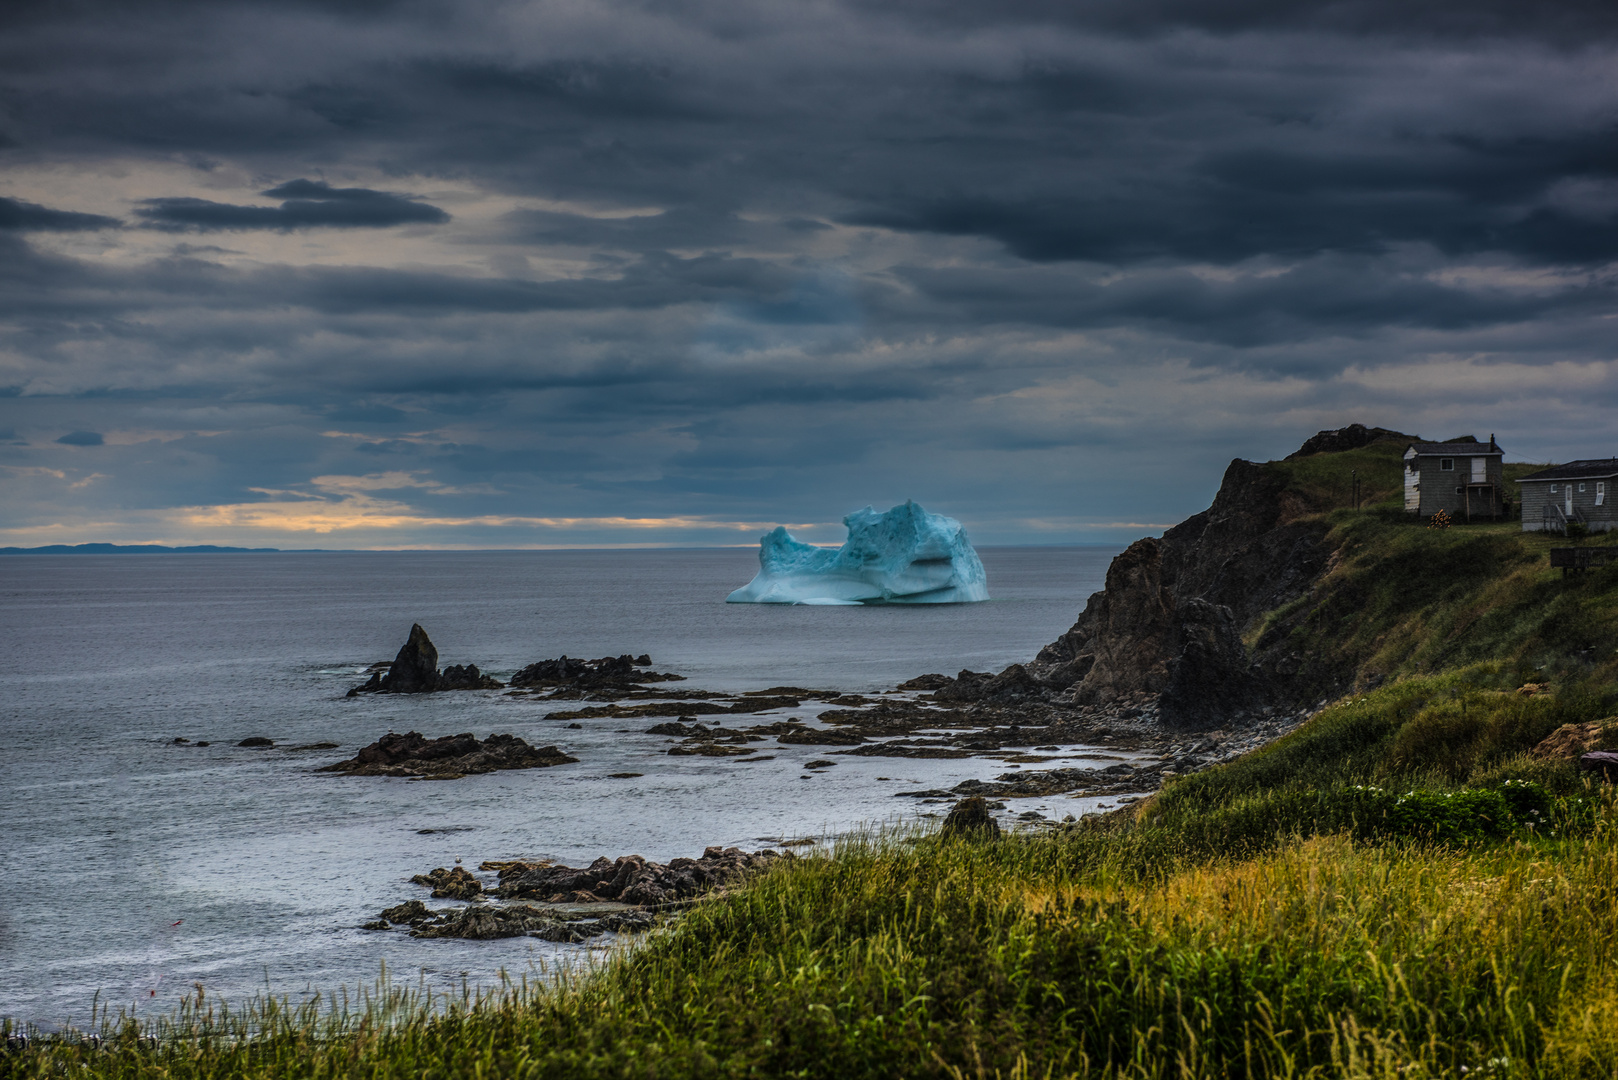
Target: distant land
x=127, y=549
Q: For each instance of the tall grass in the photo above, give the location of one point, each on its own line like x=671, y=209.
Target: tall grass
x=1034, y=956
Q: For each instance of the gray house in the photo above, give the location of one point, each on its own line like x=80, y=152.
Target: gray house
x=1577, y=491
x=1465, y=479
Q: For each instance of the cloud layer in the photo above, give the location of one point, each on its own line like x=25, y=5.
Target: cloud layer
x=634, y=272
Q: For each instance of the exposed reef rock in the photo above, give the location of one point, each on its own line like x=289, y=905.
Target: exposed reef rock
x=452, y=884
x=457, y=677
x=678, y=707
x=581, y=903
x=415, y=671
x=609, y=672
x=451, y=757
x=415, y=668
x=486, y=923
x=631, y=879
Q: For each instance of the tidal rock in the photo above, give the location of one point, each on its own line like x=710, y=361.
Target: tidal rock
x=485, y=923
x=453, y=884
x=457, y=677
x=407, y=912
x=415, y=669
x=631, y=879
x=970, y=817
x=256, y=740
x=808, y=736
x=413, y=754
x=606, y=673
x=1010, y=687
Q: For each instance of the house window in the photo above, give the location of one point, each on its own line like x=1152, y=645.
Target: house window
x=1446, y=464
x=1581, y=489
x=1553, y=489
x=1601, y=492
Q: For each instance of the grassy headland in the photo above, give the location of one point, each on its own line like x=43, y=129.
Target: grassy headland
x=1395, y=889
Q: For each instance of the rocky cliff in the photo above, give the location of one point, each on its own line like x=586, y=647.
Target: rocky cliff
x=1165, y=635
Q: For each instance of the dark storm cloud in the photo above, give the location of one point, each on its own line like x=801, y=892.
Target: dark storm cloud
x=82, y=438
x=1565, y=21
x=19, y=216
x=727, y=258
x=1464, y=196
x=1340, y=295
x=308, y=204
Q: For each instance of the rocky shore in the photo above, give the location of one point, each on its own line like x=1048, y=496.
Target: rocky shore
x=575, y=903
x=413, y=755
x=414, y=670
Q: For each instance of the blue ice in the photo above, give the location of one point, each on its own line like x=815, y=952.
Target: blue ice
x=905, y=556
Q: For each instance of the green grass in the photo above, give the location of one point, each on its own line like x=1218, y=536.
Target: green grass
x=1324, y=482
x=1033, y=956
x=1380, y=893
x=1400, y=599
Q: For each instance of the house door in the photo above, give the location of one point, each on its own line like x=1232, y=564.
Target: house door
x=1568, y=509
x=1480, y=470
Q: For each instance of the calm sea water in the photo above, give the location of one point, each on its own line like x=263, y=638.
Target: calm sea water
x=134, y=867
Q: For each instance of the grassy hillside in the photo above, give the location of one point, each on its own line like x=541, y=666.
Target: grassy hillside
x=1396, y=889
x=1400, y=599
x=1325, y=482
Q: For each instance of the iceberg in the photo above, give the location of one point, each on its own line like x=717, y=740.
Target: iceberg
x=905, y=556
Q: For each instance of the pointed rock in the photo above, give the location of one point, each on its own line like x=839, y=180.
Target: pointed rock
x=415, y=669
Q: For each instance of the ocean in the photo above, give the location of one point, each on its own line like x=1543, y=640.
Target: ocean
x=136, y=867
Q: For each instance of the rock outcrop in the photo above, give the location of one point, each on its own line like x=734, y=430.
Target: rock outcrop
x=607, y=673
x=415, y=671
x=467, y=677
x=518, y=920
x=631, y=879
x=971, y=817
x=1351, y=437
x=455, y=883
x=1165, y=635
x=451, y=757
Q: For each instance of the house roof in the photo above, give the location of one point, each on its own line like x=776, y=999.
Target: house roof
x=1583, y=469
x=1454, y=449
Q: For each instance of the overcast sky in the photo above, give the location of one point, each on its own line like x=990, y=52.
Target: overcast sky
x=373, y=274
